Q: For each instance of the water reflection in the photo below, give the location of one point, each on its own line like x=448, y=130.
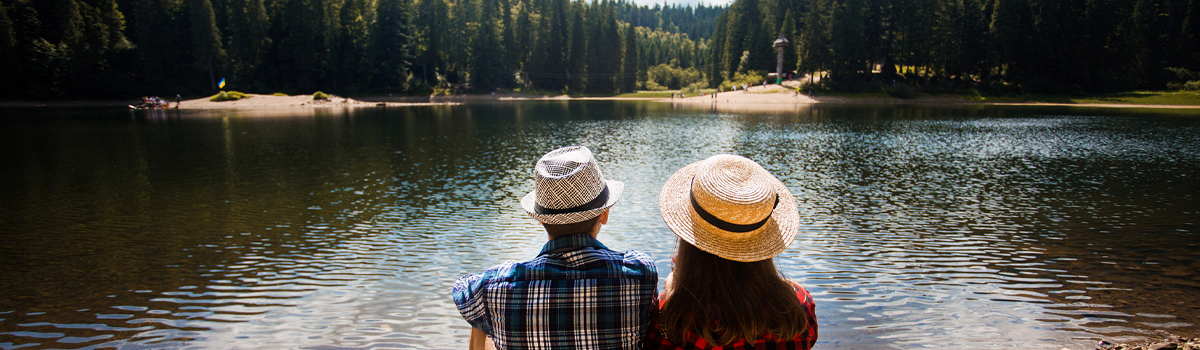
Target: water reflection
x=969, y=227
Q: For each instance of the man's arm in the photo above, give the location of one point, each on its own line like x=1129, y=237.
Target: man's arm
x=480, y=341
x=468, y=298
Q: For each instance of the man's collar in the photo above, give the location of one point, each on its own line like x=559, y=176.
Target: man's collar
x=575, y=241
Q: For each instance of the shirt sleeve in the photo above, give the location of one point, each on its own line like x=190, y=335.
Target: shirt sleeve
x=809, y=337
x=468, y=297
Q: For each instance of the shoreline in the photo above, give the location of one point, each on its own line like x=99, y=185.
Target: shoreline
x=763, y=97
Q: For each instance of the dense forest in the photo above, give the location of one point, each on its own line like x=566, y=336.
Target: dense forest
x=122, y=48
x=1047, y=46
x=697, y=23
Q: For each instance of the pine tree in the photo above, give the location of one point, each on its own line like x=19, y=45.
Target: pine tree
x=247, y=38
x=487, y=63
x=8, y=40
x=604, y=41
x=61, y=21
x=1012, y=32
x=759, y=44
x=350, y=46
x=1190, y=35
x=392, y=44
x=536, y=74
x=629, y=62
x=578, y=56
x=507, y=37
x=735, y=36
x=299, y=43
x=971, y=38
x=431, y=27
x=154, y=31
x=719, y=68
x=813, y=47
x=206, y=39
x=524, y=34
x=849, y=54
x=557, y=47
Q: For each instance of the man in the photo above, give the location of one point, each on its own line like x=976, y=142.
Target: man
x=576, y=294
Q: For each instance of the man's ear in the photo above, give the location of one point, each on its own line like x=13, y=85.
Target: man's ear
x=604, y=217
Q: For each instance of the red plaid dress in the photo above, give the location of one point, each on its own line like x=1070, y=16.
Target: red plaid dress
x=804, y=340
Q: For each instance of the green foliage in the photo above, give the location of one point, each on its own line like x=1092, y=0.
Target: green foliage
x=487, y=64
x=696, y=22
x=813, y=48
x=206, y=39
x=247, y=37
x=646, y=94
x=669, y=77
x=83, y=48
x=695, y=87
x=604, y=48
x=1188, y=86
x=320, y=96
x=848, y=36
x=8, y=39
x=227, y=96
x=1178, y=78
x=1011, y=45
x=629, y=60
x=279, y=94
x=392, y=44
x=749, y=78
x=67, y=47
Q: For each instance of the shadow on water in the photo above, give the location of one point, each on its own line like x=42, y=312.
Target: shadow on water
x=966, y=226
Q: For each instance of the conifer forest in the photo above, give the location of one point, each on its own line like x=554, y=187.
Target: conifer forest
x=56, y=49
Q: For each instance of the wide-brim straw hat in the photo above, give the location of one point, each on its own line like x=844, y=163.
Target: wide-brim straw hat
x=731, y=207
x=569, y=188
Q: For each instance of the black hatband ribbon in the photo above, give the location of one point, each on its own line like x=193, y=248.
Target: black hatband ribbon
x=595, y=203
x=725, y=225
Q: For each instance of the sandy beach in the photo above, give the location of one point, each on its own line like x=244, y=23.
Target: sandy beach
x=758, y=98
x=302, y=101
x=771, y=94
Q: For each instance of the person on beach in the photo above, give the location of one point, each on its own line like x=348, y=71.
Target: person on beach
x=731, y=217
x=577, y=293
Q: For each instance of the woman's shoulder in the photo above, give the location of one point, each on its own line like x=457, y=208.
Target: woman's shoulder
x=802, y=294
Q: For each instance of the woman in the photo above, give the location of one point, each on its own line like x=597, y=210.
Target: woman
x=731, y=217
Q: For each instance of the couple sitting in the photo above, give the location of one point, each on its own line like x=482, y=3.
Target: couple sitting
x=731, y=217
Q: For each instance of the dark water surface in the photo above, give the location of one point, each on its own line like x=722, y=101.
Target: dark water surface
x=949, y=227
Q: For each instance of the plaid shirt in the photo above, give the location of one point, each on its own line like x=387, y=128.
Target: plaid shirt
x=576, y=294
x=692, y=341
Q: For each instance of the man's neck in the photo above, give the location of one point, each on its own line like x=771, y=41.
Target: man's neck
x=594, y=234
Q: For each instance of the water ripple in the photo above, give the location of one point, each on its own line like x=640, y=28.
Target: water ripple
x=921, y=227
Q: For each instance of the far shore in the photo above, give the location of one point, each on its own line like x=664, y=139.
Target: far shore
x=761, y=97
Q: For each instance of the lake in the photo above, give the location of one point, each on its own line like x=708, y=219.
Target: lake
x=922, y=226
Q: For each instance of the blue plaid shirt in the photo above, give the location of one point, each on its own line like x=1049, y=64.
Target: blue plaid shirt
x=576, y=294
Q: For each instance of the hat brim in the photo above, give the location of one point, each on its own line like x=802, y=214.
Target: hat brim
x=615, y=189
x=764, y=243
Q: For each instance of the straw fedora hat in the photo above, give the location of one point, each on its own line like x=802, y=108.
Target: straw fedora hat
x=569, y=188
x=731, y=207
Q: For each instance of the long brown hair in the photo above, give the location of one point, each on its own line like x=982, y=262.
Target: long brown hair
x=723, y=300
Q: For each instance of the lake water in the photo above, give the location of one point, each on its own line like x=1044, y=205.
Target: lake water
x=949, y=227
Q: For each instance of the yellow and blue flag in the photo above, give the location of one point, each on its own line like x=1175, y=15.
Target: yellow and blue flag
x=221, y=85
